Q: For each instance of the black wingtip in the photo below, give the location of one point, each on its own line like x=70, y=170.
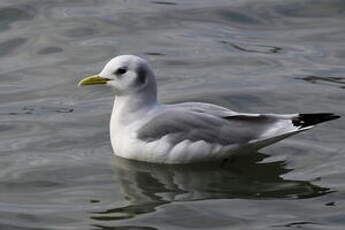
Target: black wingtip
x=305, y=120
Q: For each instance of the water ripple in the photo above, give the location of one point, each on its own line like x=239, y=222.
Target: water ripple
x=253, y=56
x=9, y=15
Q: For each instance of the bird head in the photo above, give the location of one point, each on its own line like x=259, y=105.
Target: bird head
x=125, y=74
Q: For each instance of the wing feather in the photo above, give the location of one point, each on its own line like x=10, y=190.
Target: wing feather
x=196, y=123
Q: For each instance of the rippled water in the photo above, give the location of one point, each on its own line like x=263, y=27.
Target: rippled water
x=57, y=167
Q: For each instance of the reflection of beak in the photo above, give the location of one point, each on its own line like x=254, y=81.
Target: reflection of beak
x=93, y=80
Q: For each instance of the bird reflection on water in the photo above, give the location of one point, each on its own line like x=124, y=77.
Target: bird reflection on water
x=146, y=186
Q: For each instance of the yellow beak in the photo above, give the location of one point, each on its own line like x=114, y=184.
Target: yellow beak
x=93, y=80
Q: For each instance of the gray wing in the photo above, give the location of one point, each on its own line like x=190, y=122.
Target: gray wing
x=186, y=123
x=204, y=108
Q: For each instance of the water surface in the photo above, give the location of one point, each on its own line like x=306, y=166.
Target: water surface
x=57, y=170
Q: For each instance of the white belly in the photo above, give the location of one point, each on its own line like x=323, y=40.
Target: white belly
x=125, y=144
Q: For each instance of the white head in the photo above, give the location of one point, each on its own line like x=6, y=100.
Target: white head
x=126, y=75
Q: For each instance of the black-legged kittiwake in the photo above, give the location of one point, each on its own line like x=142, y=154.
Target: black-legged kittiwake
x=142, y=129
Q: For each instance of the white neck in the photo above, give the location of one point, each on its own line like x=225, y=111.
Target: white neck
x=127, y=108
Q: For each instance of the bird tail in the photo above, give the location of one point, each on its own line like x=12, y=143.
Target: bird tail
x=301, y=122
x=307, y=120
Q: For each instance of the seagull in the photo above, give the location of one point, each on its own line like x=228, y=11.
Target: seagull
x=144, y=130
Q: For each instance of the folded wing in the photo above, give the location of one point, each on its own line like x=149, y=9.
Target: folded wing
x=187, y=124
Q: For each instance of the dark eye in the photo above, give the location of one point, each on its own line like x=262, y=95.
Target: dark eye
x=121, y=71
